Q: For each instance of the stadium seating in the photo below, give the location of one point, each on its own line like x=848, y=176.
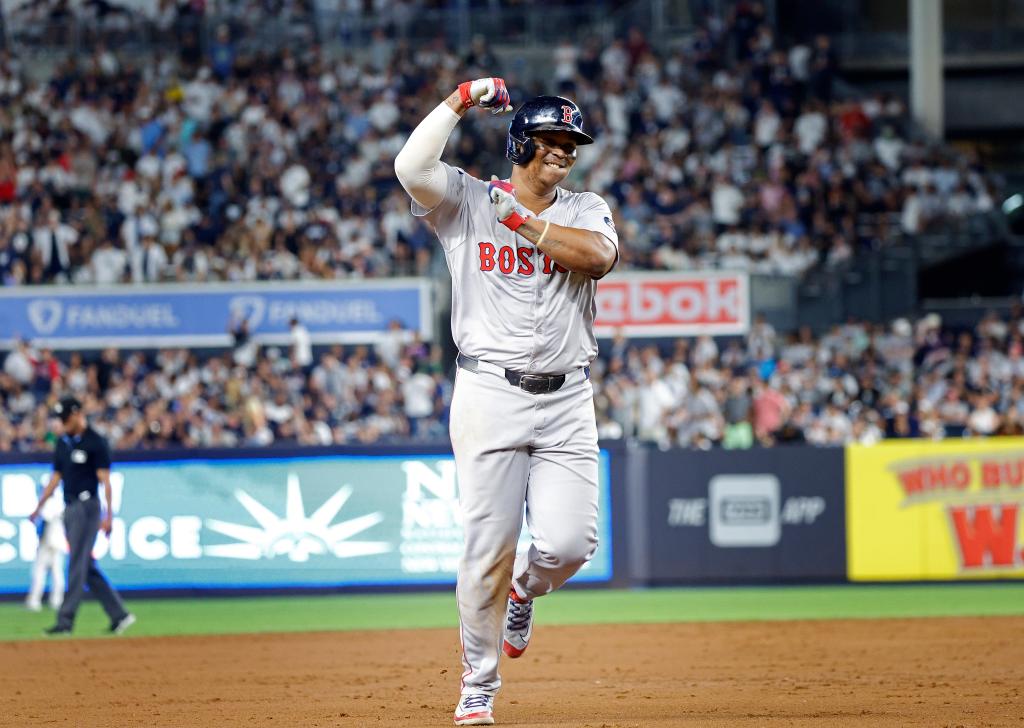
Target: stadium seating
x=729, y=151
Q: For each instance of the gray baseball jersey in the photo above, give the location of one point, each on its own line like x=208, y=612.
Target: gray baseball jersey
x=511, y=304
x=514, y=308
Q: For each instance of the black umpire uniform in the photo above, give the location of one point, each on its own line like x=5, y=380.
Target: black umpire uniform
x=80, y=455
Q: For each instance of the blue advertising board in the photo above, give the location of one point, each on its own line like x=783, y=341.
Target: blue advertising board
x=731, y=516
x=274, y=523
x=67, y=317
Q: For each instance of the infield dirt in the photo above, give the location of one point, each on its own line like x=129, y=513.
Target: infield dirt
x=921, y=672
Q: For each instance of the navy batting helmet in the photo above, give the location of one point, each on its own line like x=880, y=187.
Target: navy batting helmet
x=544, y=113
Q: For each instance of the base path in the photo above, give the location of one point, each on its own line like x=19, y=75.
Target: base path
x=921, y=672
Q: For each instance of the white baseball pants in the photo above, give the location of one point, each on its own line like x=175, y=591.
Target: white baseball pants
x=514, y=448
x=48, y=558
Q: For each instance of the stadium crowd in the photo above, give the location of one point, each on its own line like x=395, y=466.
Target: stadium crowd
x=732, y=151
x=250, y=395
x=857, y=383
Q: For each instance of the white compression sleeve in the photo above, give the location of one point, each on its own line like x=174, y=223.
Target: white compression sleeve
x=418, y=166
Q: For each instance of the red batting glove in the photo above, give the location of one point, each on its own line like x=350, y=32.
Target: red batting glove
x=488, y=93
x=506, y=207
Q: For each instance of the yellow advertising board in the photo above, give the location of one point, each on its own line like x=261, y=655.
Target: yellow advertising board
x=928, y=510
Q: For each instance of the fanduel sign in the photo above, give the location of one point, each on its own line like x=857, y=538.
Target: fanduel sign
x=158, y=315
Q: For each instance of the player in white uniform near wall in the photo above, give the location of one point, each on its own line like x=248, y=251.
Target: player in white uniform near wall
x=525, y=256
x=53, y=544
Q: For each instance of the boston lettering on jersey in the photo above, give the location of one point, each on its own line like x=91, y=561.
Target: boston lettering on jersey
x=507, y=259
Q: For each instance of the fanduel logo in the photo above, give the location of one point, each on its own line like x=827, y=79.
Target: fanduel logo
x=324, y=312
x=45, y=315
x=250, y=308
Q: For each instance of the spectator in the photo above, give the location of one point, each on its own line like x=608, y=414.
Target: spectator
x=810, y=128
x=653, y=403
x=418, y=390
x=823, y=66
x=983, y=420
x=244, y=345
x=761, y=339
x=738, y=411
x=302, y=345
x=726, y=202
x=19, y=364
x=770, y=410
x=222, y=53
x=149, y=264
x=108, y=263
x=52, y=243
x=389, y=349
x=889, y=148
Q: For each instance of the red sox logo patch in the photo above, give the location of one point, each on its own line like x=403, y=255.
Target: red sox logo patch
x=567, y=114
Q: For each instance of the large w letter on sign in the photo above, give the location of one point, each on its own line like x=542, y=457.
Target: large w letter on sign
x=983, y=536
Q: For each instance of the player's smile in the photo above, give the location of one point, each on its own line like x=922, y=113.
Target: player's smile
x=557, y=151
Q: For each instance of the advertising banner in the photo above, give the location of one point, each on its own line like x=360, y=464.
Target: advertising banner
x=673, y=304
x=753, y=515
x=67, y=317
x=271, y=523
x=936, y=510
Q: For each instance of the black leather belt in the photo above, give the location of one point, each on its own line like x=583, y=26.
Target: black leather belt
x=532, y=383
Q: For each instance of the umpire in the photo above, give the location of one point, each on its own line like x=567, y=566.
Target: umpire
x=82, y=461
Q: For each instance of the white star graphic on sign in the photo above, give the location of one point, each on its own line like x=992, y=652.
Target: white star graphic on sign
x=296, y=535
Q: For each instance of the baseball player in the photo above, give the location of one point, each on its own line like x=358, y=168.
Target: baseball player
x=49, y=556
x=525, y=255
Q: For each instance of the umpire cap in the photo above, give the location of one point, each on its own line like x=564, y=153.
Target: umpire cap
x=543, y=113
x=66, y=407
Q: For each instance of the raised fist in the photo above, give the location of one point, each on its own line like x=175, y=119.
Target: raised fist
x=506, y=207
x=488, y=93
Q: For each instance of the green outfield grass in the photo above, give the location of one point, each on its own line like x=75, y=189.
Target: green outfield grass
x=160, y=617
